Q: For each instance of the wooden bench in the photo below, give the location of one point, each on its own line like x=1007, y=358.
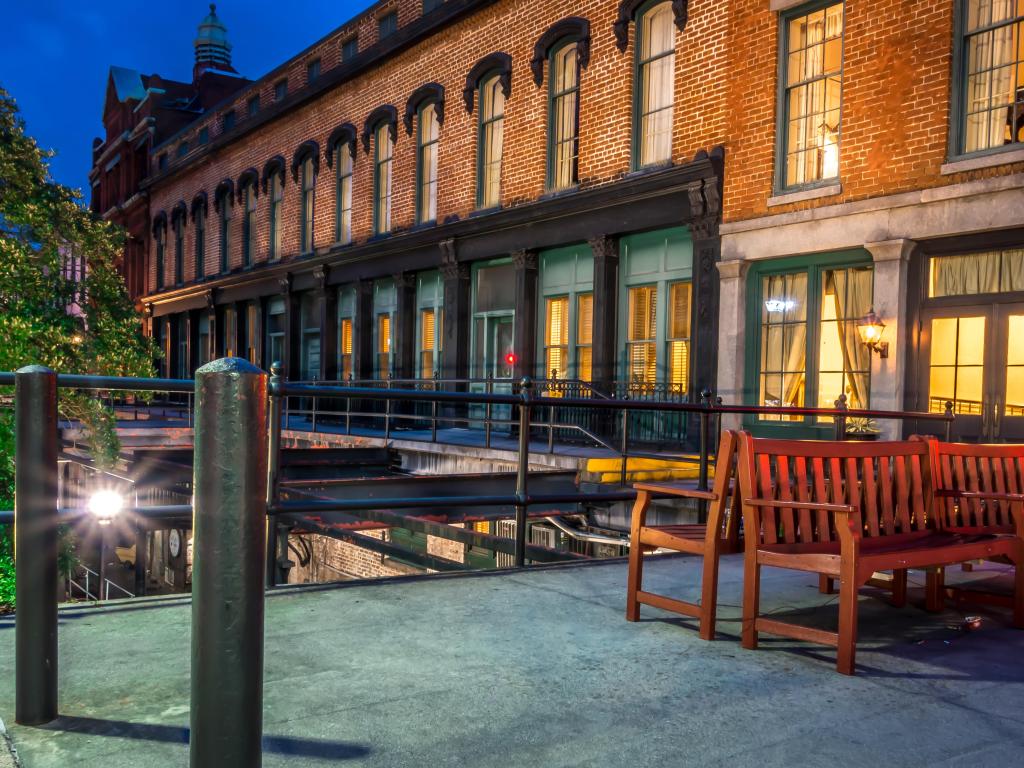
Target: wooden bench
x=718, y=536
x=975, y=486
x=846, y=510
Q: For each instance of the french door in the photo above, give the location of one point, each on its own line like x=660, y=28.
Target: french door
x=974, y=358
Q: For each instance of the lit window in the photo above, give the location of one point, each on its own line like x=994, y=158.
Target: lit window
x=812, y=94
x=492, y=124
x=656, y=92
x=429, y=136
x=343, y=192
x=993, y=74
x=584, y=336
x=428, y=342
x=345, y=347
x=679, y=337
x=975, y=273
x=383, y=149
x=556, y=338
x=563, y=130
x=641, y=344
x=383, y=345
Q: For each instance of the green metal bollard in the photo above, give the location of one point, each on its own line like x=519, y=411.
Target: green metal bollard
x=229, y=547
x=35, y=545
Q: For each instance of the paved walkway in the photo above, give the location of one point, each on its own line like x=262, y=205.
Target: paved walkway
x=539, y=668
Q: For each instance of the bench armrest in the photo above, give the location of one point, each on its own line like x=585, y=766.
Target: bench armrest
x=670, y=489
x=848, y=526
x=1016, y=509
x=782, y=504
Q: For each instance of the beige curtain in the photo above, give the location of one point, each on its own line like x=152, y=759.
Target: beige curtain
x=852, y=290
x=965, y=275
x=795, y=340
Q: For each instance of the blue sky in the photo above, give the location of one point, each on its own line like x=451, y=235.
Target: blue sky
x=56, y=53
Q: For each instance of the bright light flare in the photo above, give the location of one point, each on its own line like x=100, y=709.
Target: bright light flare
x=106, y=505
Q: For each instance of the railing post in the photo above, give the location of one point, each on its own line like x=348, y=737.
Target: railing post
x=433, y=410
x=624, y=447
x=273, y=466
x=489, y=387
x=35, y=545
x=387, y=411
x=705, y=441
x=841, y=419
x=949, y=420
x=523, y=470
x=348, y=410
x=229, y=547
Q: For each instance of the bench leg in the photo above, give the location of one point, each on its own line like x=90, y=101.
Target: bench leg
x=1018, y=592
x=847, y=649
x=826, y=585
x=751, y=600
x=709, y=594
x=636, y=557
x=934, y=586
x=899, y=588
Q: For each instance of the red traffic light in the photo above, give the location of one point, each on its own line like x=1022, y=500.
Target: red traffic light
x=511, y=358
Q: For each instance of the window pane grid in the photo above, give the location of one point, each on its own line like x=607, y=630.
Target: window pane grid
x=641, y=345
x=680, y=295
x=430, y=134
x=656, y=69
x=783, y=342
x=343, y=193
x=956, y=370
x=844, y=363
x=492, y=124
x=813, y=76
x=556, y=338
x=383, y=149
x=249, y=226
x=276, y=195
x=584, y=336
x=994, y=76
x=564, y=117
x=308, y=187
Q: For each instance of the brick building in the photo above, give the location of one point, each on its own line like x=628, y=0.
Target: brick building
x=875, y=160
x=467, y=188
x=655, y=196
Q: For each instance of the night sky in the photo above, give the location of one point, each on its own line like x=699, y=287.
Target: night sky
x=56, y=53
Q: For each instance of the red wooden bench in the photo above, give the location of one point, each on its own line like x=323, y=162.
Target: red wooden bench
x=846, y=510
x=720, y=535
x=975, y=486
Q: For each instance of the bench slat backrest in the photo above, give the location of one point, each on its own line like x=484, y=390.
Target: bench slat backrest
x=886, y=481
x=977, y=468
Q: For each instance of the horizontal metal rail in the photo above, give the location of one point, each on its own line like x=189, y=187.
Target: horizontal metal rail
x=117, y=383
x=73, y=514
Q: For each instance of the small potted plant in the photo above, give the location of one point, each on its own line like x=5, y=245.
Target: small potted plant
x=861, y=428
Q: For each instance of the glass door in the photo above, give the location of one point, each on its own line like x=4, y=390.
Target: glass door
x=1008, y=381
x=956, y=351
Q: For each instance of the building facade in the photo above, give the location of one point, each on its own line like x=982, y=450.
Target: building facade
x=654, y=197
x=467, y=190
x=875, y=161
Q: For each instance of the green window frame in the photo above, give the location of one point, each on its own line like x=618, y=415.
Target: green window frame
x=781, y=316
x=249, y=224
x=808, y=139
x=428, y=138
x=652, y=117
x=383, y=155
x=307, y=180
x=490, y=141
x=161, y=240
x=563, y=116
x=179, y=248
x=199, y=223
x=988, y=79
x=343, y=168
x=429, y=323
x=276, y=206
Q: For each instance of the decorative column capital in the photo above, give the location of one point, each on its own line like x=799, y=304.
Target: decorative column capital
x=604, y=247
x=405, y=279
x=733, y=269
x=890, y=250
x=284, y=283
x=451, y=269
x=524, y=259
x=320, y=275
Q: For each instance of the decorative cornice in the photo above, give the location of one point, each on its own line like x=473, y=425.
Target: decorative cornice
x=284, y=283
x=498, y=62
x=225, y=191
x=199, y=203
x=385, y=113
x=248, y=176
x=604, y=247
x=404, y=279
x=211, y=299
x=627, y=13
x=451, y=269
x=345, y=133
x=179, y=212
x=307, y=149
x=571, y=29
x=160, y=221
x=425, y=94
x=276, y=164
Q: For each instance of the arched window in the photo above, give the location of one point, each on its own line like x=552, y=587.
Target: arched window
x=490, y=142
x=249, y=193
x=223, y=201
x=341, y=149
x=273, y=185
x=178, y=216
x=160, y=241
x=655, y=86
x=305, y=166
x=563, y=117
x=383, y=150
x=199, y=227
x=429, y=135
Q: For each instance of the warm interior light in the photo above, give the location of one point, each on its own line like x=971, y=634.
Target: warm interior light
x=870, y=328
x=106, y=505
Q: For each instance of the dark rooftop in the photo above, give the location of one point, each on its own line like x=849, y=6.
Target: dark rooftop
x=539, y=668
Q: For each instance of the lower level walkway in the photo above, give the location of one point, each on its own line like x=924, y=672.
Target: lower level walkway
x=539, y=668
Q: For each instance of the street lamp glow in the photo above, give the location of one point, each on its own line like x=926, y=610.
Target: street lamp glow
x=105, y=505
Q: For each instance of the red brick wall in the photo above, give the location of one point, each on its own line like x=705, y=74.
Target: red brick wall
x=897, y=69
x=512, y=26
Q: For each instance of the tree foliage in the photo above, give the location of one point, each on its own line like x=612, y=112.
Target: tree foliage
x=47, y=315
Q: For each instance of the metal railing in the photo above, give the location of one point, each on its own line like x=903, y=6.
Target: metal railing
x=238, y=423
x=103, y=584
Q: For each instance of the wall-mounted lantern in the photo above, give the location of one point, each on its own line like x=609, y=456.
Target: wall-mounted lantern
x=870, y=328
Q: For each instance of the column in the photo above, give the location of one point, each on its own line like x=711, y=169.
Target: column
x=362, y=363
x=405, y=325
x=606, y=302
x=457, y=311
x=732, y=298
x=525, y=345
x=888, y=375
x=707, y=251
x=327, y=300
